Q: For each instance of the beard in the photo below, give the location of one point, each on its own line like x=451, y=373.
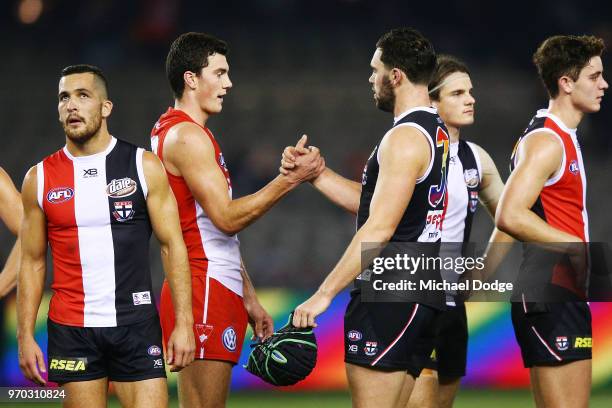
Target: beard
x=84, y=134
x=385, y=100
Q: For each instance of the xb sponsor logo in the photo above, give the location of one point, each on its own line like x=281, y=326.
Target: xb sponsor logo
x=371, y=348
x=68, y=364
x=353, y=348
x=158, y=363
x=119, y=188
x=354, y=335
x=561, y=343
x=59, y=195
x=90, y=173
x=229, y=338
x=583, y=342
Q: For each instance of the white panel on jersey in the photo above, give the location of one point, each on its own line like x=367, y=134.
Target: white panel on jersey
x=92, y=215
x=222, y=251
x=585, y=216
x=40, y=183
x=140, y=170
x=453, y=226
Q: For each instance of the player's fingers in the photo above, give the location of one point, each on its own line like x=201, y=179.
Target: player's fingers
x=311, y=320
x=314, y=149
x=258, y=328
x=296, y=317
x=170, y=353
x=36, y=377
x=283, y=171
x=302, y=142
x=287, y=164
x=288, y=153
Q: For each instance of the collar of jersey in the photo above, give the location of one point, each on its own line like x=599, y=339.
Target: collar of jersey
x=103, y=153
x=409, y=111
x=557, y=120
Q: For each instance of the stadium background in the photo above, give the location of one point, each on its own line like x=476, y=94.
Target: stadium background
x=300, y=67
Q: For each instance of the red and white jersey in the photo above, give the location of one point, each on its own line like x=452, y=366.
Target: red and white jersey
x=562, y=201
x=210, y=250
x=98, y=229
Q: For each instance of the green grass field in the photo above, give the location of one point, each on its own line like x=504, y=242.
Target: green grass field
x=465, y=399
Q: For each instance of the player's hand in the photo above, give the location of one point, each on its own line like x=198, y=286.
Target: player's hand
x=261, y=322
x=304, y=315
x=31, y=360
x=301, y=164
x=181, y=347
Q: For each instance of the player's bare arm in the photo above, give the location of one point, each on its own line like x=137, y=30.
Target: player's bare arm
x=163, y=213
x=339, y=190
x=404, y=156
x=261, y=322
x=189, y=153
x=31, y=280
x=11, y=212
x=539, y=157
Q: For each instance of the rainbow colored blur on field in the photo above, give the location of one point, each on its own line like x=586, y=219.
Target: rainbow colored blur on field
x=493, y=356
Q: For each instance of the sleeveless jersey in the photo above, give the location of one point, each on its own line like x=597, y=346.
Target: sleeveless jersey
x=464, y=179
x=422, y=220
x=561, y=203
x=98, y=229
x=210, y=250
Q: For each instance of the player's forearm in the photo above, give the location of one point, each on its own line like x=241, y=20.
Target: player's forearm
x=350, y=265
x=178, y=273
x=526, y=226
x=339, y=190
x=31, y=283
x=499, y=245
x=243, y=211
x=248, y=289
x=8, y=277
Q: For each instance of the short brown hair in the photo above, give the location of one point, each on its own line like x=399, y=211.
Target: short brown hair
x=407, y=50
x=445, y=65
x=565, y=55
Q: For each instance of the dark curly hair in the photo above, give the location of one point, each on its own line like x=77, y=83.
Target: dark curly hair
x=407, y=50
x=445, y=65
x=565, y=55
x=190, y=52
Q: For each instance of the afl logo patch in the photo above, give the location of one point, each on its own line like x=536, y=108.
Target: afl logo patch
x=154, y=351
x=354, y=335
x=573, y=167
x=229, y=338
x=471, y=178
x=59, y=195
x=119, y=188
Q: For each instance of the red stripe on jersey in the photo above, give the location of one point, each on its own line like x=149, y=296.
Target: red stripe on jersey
x=563, y=202
x=68, y=301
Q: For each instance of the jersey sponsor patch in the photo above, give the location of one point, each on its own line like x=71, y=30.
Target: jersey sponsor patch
x=119, y=188
x=141, y=298
x=583, y=342
x=60, y=195
x=68, y=363
x=433, y=226
x=353, y=348
x=87, y=173
x=124, y=211
x=574, y=168
x=229, y=338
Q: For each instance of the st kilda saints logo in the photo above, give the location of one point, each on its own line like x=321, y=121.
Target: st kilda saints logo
x=124, y=211
x=119, y=188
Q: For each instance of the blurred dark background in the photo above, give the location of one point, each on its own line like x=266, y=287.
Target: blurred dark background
x=297, y=67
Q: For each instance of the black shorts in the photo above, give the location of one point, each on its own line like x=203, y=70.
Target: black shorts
x=552, y=333
x=388, y=336
x=124, y=353
x=449, y=357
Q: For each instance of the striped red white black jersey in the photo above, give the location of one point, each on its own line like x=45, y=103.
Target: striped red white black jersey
x=562, y=204
x=211, y=251
x=562, y=201
x=98, y=229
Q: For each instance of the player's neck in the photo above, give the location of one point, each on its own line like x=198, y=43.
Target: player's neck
x=408, y=98
x=97, y=144
x=454, y=133
x=562, y=108
x=193, y=110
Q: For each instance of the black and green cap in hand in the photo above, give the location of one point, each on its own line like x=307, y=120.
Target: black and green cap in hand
x=286, y=357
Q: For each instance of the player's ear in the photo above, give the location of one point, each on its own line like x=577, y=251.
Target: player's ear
x=434, y=104
x=190, y=79
x=395, y=76
x=566, y=84
x=107, y=108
